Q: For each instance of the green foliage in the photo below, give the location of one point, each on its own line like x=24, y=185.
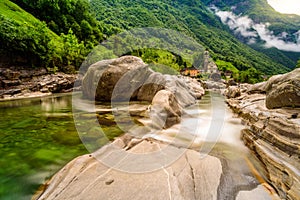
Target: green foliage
x=24, y=36
x=162, y=57
x=190, y=17
x=250, y=75
x=298, y=64
x=76, y=31
x=73, y=51
x=63, y=15
x=224, y=67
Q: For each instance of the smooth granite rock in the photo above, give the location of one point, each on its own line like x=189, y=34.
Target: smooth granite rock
x=188, y=177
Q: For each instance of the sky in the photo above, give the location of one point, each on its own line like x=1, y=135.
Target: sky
x=286, y=6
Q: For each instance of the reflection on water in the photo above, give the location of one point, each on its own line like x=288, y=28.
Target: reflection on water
x=37, y=138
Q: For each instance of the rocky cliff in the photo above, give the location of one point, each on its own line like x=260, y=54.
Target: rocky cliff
x=272, y=112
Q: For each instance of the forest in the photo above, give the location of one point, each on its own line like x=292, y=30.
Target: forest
x=59, y=35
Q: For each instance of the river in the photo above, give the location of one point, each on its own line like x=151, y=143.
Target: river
x=38, y=137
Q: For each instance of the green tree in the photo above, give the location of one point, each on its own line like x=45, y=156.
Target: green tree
x=298, y=64
x=73, y=51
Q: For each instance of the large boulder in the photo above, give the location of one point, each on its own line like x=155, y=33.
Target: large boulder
x=127, y=78
x=101, y=78
x=283, y=90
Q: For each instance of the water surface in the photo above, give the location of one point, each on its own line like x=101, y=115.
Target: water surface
x=37, y=138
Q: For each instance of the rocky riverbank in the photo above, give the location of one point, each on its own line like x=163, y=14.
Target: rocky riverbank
x=143, y=166
x=23, y=83
x=271, y=111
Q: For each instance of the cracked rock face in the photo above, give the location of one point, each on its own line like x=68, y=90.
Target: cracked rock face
x=274, y=138
x=189, y=177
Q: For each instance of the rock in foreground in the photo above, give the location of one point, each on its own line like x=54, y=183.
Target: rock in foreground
x=189, y=177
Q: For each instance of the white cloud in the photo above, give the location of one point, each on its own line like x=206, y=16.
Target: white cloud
x=245, y=26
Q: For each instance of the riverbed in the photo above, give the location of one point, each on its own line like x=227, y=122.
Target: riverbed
x=38, y=137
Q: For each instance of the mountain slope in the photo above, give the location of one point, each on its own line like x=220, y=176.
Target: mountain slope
x=191, y=17
x=279, y=31
x=28, y=42
x=24, y=36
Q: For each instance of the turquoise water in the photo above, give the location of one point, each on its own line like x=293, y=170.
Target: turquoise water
x=37, y=138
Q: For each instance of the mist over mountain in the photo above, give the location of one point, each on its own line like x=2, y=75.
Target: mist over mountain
x=257, y=24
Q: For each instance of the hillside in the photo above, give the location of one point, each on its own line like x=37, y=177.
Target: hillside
x=194, y=19
x=28, y=42
x=61, y=33
x=23, y=36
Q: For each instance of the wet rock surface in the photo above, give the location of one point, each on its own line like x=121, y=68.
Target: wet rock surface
x=19, y=83
x=273, y=135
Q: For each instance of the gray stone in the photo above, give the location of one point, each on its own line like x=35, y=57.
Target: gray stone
x=165, y=109
x=273, y=137
x=233, y=92
x=102, y=77
x=283, y=90
x=188, y=177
